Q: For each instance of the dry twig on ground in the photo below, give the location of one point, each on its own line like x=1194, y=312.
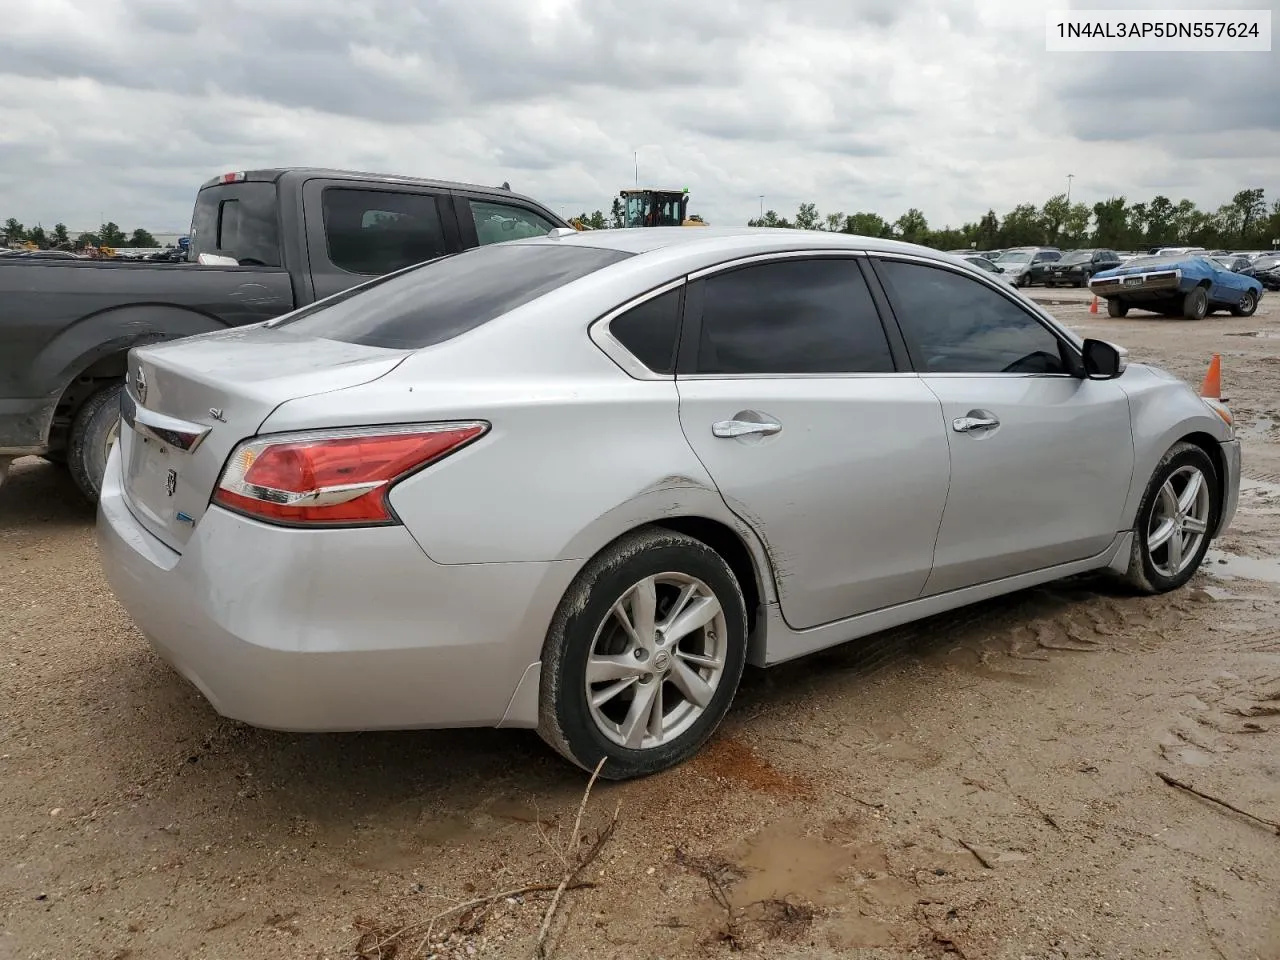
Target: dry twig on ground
x=1175, y=782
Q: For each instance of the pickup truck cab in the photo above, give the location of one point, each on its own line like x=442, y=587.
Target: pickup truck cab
x=263, y=242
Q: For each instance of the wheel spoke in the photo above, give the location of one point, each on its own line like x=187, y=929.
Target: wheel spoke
x=687, y=681
x=1175, y=552
x=656, y=713
x=1161, y=535
x=637, y=722
x=600, y=697
x=601, y=668
x=1189, y=495
x=1169, y=499
x=696, y=614
x=644, y=608
x=1194, y=525
x=620, y=614
x=701, y=660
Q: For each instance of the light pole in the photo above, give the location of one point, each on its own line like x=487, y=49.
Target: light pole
x=762, y=206
x=1070, y=177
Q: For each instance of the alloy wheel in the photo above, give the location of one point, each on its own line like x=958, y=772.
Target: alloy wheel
x=1179, y=521
x=656, y=660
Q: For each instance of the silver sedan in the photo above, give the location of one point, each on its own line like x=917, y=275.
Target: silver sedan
x=576, y=483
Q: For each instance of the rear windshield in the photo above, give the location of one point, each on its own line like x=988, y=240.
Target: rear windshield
x=437, y=301
x=238, y=220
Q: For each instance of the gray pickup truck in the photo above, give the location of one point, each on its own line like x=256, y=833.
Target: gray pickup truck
x=263, y=242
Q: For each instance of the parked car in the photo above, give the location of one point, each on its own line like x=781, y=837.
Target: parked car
x=1231, y=261
x=982, y=263
x=267, y=241
x=1017, y=263
x=1077, y=266
x=1176, y=286
x=1266, y=270
x=573, y=483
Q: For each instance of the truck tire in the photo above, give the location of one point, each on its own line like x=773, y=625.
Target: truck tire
x=92, y=432
x=1117, y=308
x=1195, y=305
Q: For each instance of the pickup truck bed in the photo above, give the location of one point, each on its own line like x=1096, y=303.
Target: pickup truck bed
x=280, y=239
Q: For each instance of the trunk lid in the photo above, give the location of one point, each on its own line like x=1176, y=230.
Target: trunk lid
x=189, y=402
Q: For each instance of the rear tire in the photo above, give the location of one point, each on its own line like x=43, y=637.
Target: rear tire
x=1154, y=564
x=93, y=430
x=642, y=666
x=1117, y=308
x=1195, y=305
x=1247, y=306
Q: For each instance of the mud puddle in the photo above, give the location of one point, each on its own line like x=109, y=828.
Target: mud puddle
x=1228, y=566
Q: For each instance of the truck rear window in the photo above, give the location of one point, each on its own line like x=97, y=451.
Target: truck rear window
x=436, y=301
x=239, y=220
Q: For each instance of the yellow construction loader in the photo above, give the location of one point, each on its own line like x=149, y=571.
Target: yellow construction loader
x=650, y=207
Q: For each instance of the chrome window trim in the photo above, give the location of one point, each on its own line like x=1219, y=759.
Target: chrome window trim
x=614, y=349
x=799, y=376
x=774, y=255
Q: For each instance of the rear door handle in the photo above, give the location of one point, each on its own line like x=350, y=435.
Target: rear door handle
x=969, y=424
x=728, y=429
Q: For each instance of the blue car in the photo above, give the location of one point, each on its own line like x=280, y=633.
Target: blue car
x=1176, y=286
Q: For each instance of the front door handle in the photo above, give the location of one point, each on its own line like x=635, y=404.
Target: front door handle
x=969, y=424
x=728, y=429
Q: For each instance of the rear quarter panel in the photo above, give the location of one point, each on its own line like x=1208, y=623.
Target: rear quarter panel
x=1164, y=410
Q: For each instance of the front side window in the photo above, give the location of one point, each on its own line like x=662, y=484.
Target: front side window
x=791, y=316
x=373, y=232
x=496, y=222
x=959, y=325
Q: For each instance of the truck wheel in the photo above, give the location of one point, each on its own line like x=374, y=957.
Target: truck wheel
x=92, y=432
x=1117, y=308
x=1247, y=305
x=1195, y=305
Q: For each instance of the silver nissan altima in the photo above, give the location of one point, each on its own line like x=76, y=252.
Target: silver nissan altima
x=576, y=483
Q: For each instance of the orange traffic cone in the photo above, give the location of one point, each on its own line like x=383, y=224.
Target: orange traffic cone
x=1093, y=307
x=1211, y=389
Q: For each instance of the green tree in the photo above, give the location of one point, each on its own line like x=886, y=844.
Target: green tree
x=1111, y=230
x=912, y=226
x=1054, y=217
x=807, y=217
x=14, y=232
x=867, y=225
x=597, y=221
x=1252, y=205
x=988, y=232
x=834, y=222
x=1075, y=228
x=86, y=240
x=1161, y=215
x=1022, y=226
x=616, y=216
x=141, y=238
x=59, y=237
x=37, y=236
x=770, y=219
x=111, y=235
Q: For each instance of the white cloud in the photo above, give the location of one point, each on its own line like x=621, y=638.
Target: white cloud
x=122, y=109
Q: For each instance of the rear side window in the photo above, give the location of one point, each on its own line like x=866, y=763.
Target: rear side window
x=440, y=300
x=238, y=220
x=377, y=231
x=650, y=331
x=791, y=316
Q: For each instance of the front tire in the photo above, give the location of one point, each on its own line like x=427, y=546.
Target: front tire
x=1195, y=305
x=1117, y=308
x=1175, y=521
x=643, y=656
x=1247, y=306
x=96, y=425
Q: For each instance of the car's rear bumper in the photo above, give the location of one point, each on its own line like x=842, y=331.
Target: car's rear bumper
x=352, y=629
x=1230, y=485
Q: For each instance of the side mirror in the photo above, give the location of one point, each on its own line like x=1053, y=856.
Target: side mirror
x=999, y=269
x=1102, y=360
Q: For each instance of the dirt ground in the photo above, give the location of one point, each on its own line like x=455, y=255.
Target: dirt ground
x=980, y=785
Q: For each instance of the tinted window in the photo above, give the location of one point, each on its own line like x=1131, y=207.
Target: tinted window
x=237, y=220
x=496, y=222
x=375, y=232
x=440, y=300
x=792, y=316
x=650, y=331
x=959, y=325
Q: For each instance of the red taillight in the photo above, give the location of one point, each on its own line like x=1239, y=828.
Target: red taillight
x=338, y=477
x=232, y=177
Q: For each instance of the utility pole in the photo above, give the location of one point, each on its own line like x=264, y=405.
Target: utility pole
x=1070, y=177
x=637, y=168
x=762, y=206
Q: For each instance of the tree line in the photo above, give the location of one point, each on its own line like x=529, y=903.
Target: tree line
x=1246, y=223
x=57, y=238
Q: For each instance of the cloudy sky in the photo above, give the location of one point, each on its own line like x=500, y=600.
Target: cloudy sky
x=121, y=108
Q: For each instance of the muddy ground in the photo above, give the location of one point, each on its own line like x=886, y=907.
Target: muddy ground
x=980, y=785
